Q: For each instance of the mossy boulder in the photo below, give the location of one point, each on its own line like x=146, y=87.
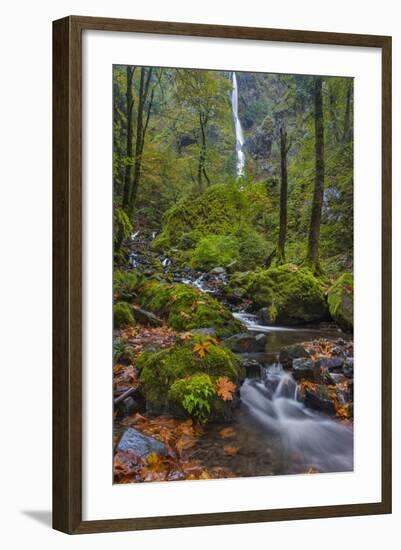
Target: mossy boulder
x=291, y=295
x=215, y=250
x=341, y=302
x=185, y=376
x=122, y=313
x=222, y=225
x=187, y=308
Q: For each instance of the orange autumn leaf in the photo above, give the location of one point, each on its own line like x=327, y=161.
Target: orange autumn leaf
x=225, y=388
x=230, y=451
x=201, y=349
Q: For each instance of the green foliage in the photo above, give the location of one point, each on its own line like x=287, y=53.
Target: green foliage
x=122, y=351
x=126, y=285
x=122, y=315
x=160, y=370
x=340, y=300
x=195, y=394
x=215, y=250
x=292, y=295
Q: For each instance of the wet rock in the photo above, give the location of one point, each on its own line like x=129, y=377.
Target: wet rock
x=146, y=317
x=333, y=364
x=303, y=369
x=246, y=342
x=348, y=368
x=140, y=444
x=320, y=398
x=289, y=353
x=264, y=316
x=218, y=271
x=253, y=368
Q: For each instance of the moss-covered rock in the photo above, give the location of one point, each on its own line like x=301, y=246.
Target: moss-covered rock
x=226, y=220
x=341, y=303
x=292, y=295
x=123, y=315
x=215, y=250
x=187, y=308
x=168, y=376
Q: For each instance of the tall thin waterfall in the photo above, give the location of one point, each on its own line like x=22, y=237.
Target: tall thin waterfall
x=239, y=136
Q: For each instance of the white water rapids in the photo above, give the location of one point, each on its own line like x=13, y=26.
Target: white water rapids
x=239, y=136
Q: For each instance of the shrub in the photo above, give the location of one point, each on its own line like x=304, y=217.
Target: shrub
x=122, y=315
x=195, y=394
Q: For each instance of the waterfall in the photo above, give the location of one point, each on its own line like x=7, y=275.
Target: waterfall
x=239, y=136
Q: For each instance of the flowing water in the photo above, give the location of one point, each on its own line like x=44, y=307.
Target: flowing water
x=239, y=136
x=275, y=432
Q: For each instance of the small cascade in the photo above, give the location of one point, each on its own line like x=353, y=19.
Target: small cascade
x=273, y=403
x=239, y=136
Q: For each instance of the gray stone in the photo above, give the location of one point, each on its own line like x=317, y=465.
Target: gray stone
x=289, y=353
x=218, y=271
x=333, y=364
x=303, y=369
x=320, y=398
x=140, y=444
x=348, y=368
x=246, y=342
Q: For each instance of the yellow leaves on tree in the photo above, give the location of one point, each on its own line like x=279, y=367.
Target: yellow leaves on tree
x=225, y=388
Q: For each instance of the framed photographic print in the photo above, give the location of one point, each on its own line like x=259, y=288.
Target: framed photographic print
x=222, y=275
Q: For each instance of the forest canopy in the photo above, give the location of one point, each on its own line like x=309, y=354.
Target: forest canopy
x=175, y=165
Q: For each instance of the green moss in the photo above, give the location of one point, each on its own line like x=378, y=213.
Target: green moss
x=159, y=371
x=186, y=308
x=222, y=210
x=122, y=315
x=215, y=250
x=293, y=295
x=126, y=285
x=155, y=297
x=340, y=299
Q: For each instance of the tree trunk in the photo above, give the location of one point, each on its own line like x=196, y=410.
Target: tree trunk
x=141, y=128
x=283, y=196
x=347, y=114
x=202, y=155
x=317, y=202
x=128, y=151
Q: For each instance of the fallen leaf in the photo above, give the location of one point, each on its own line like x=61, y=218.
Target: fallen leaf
x=225, y=388
x=225, y=433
